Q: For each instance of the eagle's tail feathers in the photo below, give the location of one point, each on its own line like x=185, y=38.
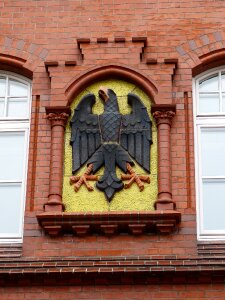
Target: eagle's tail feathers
x=109, y=183
x=110, y=155
x=109, y=192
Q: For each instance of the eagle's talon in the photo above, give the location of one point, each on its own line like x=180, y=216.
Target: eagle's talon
x=78, y=181
x=83, y=180
x=145, y=178
x=133, y=177
x=74, y=179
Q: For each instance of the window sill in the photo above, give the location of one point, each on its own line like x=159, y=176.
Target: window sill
x=10, y=249
x=211, y=248
x=136, y=223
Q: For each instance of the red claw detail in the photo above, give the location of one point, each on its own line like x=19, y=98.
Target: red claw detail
x=78, y=181
x=133, y=177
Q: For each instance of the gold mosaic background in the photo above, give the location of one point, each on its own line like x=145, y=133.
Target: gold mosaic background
x=126, y=199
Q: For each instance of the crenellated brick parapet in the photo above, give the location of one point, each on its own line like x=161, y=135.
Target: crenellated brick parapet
x=58, y=117
x=163, y=115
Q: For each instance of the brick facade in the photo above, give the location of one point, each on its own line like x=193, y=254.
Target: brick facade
x=63, y=46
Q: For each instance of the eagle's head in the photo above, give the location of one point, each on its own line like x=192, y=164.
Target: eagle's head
x=109, y=99
x=103, y=93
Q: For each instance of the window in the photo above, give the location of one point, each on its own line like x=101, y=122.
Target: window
x=209, y=109
x=15, y=95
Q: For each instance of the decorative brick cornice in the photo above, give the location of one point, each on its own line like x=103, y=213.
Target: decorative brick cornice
x=109, y=223
x=108, y=270
x=81, y=41
x=49, y=65
x=142, y=40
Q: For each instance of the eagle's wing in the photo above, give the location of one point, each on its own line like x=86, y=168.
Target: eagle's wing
x=85, y=133
x=136, y=132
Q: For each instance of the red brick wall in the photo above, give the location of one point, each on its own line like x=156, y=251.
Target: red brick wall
x=136, y=292
x=39, y=31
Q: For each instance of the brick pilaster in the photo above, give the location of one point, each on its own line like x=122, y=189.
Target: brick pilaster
x=58, y=117
x=163, y=116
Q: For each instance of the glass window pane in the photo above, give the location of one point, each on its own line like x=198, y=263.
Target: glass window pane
x=223, y=81
x=2, y=106
x=213, y=151
x=209, y=103
x=10, y=208
x=17, y=107
x=209, y=84
x=2, y=86
x=17, y=89
x=214, y=205
x=12, y=150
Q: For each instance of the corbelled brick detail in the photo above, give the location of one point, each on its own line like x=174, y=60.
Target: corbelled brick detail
x=137, y=223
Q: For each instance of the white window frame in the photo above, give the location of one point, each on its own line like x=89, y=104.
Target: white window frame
x=205, y=120
x=18, y=124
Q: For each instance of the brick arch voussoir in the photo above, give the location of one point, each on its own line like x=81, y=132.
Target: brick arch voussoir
x=81, y=81
x=203, y=52
x=21, y=56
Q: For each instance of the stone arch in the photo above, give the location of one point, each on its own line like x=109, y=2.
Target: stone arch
x=77, y=84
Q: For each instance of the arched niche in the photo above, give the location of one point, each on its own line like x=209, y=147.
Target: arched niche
x=77, y=84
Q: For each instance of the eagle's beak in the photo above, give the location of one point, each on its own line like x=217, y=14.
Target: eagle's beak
x=103, y=93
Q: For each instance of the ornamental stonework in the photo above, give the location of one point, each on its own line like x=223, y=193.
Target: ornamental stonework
x=163, y=117
x=110, y=140
x=58, y=118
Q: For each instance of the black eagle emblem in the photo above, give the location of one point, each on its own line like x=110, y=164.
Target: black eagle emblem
x=110, y=139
